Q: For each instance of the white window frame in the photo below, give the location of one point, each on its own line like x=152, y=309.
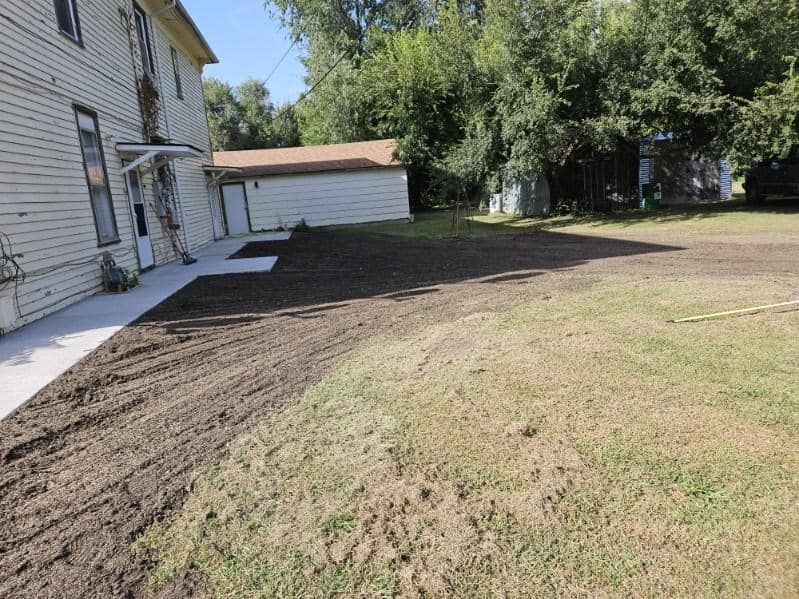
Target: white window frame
x=72, y=11
x=86, y=120
x=145, y=39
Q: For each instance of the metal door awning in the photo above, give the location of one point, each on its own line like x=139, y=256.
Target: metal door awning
x=156, y=154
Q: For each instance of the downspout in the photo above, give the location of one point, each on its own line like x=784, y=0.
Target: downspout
x=210, y=187
x=215, y=205
x=213, y=193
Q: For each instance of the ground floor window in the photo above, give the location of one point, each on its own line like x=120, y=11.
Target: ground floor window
x=97, y=177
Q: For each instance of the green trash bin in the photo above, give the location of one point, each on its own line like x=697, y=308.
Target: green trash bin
x=650, y=196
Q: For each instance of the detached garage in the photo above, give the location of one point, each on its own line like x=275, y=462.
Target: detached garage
x=324, y=185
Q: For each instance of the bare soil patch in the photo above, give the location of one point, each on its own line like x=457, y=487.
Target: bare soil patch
x=113, y=445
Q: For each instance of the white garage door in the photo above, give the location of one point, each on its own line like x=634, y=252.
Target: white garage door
x=322, y=199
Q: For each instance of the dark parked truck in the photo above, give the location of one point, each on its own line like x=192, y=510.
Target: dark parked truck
x=776, y=177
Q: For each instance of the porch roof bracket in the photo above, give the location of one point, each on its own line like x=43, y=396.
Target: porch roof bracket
x=140, y=160
x=216, y=173
x=217, y=177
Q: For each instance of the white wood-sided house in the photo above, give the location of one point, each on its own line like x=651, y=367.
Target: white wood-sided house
x=103, y=144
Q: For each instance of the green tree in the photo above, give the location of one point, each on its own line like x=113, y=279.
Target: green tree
x=337, y=35
x=285, y=127
x=768, y=125
x=342, y=24
x=334, y=112
x=243, y=117
x=706, y=60
x=475, y=92
x=224, y=115
x=256, y=114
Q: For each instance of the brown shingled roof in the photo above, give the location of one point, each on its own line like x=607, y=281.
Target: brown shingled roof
x=310, y=159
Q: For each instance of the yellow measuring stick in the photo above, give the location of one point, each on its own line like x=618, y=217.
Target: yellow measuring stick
x=741, y=311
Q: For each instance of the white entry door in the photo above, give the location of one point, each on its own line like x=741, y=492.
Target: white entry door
x=234, y=199
x=141, y=230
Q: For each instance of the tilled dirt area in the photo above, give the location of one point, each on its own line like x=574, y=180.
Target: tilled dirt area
x=111, y=446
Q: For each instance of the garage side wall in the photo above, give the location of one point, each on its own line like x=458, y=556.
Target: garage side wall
x=339, y=198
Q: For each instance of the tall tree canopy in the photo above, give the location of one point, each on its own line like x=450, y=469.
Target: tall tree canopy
x=224, y=114
x=244, y=118
x=479, y=90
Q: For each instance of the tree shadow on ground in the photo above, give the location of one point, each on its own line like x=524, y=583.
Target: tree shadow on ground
x=330, y=267
x=673, y=214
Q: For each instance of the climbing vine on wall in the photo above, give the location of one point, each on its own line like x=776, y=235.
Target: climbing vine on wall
x=146, y=85
x=150, y=104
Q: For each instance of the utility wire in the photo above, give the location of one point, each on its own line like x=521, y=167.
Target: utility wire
x=322, y=78
x=10, y=270
x=279, y=62
x=46, y=270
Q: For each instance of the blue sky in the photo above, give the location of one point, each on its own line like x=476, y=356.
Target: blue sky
x=248, y=41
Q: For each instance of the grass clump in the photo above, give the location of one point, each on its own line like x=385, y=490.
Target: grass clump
x=583, y=446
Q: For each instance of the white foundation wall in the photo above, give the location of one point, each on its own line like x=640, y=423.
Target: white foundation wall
x=321, y=199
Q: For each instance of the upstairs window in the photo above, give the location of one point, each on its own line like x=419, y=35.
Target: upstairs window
x=66, y=13
x=96, y=177
x=143, y=36
x=176, y=70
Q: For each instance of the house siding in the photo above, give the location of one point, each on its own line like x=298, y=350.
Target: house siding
x=322, y=199
x=182, y=118
x=45, y=207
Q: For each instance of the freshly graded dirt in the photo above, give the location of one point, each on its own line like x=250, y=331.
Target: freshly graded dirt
x=112, y=445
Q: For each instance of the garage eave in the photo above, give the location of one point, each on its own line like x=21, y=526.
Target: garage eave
x=217, y=173
x=220, y=170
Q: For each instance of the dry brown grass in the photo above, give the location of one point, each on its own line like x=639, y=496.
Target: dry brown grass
x=577, y=445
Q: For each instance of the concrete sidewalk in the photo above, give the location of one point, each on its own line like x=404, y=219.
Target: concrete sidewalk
x=34, y=355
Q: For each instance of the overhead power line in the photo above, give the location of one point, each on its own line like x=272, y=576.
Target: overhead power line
x=323, y=77
x=279, y=62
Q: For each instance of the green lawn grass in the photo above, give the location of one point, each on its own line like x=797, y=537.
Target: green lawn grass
x=780, y=216
x=579, y=445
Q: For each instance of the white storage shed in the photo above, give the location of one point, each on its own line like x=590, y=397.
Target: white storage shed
x=337, y=184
